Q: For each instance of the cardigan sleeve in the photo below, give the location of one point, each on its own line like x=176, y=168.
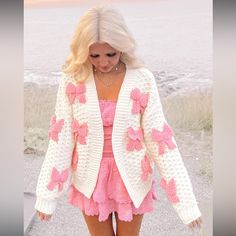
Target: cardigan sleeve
x=55, y=173
x=163, y=150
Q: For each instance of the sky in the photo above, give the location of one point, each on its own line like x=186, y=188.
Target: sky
x=55, y=3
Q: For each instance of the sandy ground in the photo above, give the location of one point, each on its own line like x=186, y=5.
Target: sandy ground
x=163, y=221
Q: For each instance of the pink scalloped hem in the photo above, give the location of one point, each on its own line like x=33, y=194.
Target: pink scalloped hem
x=103, y=209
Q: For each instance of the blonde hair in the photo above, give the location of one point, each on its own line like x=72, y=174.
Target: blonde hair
x=99, y=24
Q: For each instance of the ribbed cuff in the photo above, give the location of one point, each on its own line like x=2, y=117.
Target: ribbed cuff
x=189, y=214
x=45, y=206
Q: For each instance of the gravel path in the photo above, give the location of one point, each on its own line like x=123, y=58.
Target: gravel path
x=163, y=221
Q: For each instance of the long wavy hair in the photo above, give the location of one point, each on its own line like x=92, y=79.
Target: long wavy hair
x=99, y=24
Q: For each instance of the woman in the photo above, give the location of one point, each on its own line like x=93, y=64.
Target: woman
x=108, y=132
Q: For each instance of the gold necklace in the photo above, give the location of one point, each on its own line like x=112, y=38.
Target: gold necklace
x=111, y=80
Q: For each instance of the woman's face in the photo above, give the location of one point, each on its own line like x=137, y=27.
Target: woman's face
x=103, y=56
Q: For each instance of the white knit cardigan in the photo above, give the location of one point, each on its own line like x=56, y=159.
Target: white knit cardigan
x=141, y=139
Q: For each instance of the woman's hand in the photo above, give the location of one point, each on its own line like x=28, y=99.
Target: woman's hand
x=43, y=216
x=195, y=223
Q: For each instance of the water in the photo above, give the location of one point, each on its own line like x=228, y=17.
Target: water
x=174, y=39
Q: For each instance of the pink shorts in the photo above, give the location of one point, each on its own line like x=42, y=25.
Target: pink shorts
x=110, y=195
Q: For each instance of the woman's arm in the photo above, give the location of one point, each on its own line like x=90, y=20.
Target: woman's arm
x=163, y=150
x=55, y=172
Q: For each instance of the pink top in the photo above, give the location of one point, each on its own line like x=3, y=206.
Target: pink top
x=110, y=193
x=107, y=108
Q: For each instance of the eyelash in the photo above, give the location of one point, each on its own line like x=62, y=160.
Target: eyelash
x=109, y=55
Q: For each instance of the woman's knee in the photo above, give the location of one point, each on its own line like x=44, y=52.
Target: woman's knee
x=97, y=228
x=132, y=228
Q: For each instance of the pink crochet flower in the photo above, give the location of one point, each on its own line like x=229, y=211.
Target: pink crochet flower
x=146, y=168
x=58, y=179
x=74, y=159
x=163, y=138
x=170, y=190
x=56, y=127
x=140, y=101
x=135, y=139
x=80, y=131
x=76, y=92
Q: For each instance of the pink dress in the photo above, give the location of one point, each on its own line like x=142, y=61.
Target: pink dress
x=110, y=193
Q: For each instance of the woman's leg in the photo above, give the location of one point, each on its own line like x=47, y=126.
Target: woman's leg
x=97, y=228
x=131, y=228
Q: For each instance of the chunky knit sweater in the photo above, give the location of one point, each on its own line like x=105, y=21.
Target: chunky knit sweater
x=141, y=139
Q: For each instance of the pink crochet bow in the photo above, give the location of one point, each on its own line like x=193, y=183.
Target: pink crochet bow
x=76, y=92
x=80, y=131
x=135, y=138
x=146, y=168
x=140, y=101
x=58, y=179
x=170, y=190
x=163, y=138
x=56, y=127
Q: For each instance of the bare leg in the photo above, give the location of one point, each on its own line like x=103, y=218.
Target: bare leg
x=97, y=228
x=131, y=228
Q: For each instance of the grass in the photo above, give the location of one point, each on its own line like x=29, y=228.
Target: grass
x=39, y=105
x=190, y=111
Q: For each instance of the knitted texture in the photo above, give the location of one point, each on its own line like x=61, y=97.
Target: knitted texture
x=55, y=174
x=163, y=150
x=141, y=139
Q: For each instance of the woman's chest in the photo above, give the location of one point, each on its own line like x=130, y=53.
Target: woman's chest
x=109, y=91
x=128, y=92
